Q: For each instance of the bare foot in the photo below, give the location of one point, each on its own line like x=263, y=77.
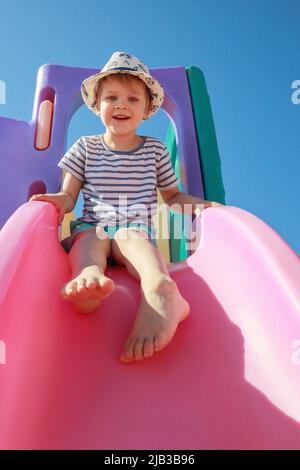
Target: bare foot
x=161, y=310
x=88, y=289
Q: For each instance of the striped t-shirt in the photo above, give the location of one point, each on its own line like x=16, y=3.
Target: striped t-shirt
x=119, y=187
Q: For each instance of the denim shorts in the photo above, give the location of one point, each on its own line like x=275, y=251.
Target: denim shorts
x=78, y=226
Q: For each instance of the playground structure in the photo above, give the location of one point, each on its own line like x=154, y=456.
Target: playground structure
x=228, y=378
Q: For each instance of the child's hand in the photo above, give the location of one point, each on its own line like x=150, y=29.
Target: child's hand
x=197, y=211
x=55, y=199
x=215, y=204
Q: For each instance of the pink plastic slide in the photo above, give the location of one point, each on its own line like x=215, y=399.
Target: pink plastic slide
x=230, y=379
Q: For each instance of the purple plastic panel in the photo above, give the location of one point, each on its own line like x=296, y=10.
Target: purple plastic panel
x=27, y=170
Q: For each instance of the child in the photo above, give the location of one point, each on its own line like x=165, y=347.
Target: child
x=119, y=172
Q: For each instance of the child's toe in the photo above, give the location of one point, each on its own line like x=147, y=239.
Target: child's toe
x=161, y=340
x=128, y=350
x=72, y=289
x=91, y=282
x=148, y=347
x=106, y=284
x=138, y=349
x=81, y=285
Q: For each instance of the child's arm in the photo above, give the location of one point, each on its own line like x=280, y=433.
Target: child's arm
x=65, y=200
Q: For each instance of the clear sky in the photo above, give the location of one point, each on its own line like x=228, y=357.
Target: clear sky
x=248, y=51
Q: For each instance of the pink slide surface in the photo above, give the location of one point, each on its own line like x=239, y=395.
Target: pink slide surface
x=230, y=379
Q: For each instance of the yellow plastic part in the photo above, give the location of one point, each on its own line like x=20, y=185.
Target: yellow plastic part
x=161, y=224
x=65, y=226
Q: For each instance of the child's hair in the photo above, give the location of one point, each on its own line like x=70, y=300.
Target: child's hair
x=125, y=77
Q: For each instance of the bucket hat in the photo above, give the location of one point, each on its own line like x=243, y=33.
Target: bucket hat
x=122, y=62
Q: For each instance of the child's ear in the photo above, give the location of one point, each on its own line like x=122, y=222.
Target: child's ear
x=97, y=109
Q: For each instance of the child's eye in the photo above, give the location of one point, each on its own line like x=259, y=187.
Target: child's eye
x=114, y=98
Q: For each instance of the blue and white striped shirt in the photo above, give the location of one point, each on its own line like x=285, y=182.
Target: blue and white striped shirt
x=119, y=187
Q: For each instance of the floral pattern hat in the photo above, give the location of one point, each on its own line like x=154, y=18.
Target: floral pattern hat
x=121, y=62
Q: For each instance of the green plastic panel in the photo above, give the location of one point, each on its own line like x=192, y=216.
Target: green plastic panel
x=210, y=162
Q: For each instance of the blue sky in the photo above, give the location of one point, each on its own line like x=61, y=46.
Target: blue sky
x=247, y=50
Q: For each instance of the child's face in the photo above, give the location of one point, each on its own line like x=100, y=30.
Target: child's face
x=126, y=98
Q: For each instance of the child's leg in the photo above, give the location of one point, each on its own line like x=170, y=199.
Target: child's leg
x=88, y=261
x=162, y=307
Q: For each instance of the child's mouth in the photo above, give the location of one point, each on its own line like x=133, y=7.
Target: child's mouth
x=119, y=118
